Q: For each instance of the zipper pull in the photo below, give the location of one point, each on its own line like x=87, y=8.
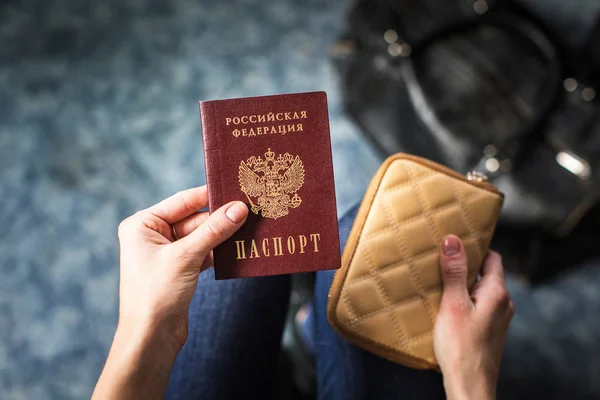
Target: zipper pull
x=476, y=176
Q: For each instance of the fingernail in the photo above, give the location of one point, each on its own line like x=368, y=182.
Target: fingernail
x=450, y=246
x=236, y=212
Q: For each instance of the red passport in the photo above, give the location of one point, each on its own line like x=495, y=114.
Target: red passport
x=274, y=154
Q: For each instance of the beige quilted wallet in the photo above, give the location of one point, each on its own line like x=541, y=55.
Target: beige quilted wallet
x=386, y=295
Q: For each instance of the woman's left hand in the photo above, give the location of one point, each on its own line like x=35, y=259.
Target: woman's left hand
x=163, y=250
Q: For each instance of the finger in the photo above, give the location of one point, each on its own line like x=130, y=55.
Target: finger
x=208, y=262
x=492, y=266
x=218, y=227
x=491, y=288
x=493, y=296
x=189, y=224
x=492, y=273
x=453, y=263
x=181, y=204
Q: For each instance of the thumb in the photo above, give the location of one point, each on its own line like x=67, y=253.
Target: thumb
x=217, y=228
x=453, y=263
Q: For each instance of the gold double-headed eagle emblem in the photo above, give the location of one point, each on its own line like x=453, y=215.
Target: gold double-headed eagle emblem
x=272, y=180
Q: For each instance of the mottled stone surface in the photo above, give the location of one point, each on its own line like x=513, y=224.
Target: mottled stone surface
x=99, y=118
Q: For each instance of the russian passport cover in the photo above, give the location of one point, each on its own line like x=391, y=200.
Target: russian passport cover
x=274, y=154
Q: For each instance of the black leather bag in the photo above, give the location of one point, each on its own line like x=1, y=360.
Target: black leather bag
x=480, y=86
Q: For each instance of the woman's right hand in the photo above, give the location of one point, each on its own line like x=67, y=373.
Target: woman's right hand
x=470, y=329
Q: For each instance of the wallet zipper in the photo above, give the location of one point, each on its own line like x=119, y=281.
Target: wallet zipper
x=476, y=176
x=480, y=179
x=473, y=177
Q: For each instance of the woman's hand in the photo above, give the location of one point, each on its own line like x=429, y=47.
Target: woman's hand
x=163, y=250
x=470, y=330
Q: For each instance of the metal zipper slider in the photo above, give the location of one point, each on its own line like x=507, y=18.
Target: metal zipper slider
x=476, y=176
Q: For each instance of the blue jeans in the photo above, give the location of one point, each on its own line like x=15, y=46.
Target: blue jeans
x=234, y=344
x=236, y=327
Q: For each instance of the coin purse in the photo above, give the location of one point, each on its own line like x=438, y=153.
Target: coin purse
x=386, y=295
